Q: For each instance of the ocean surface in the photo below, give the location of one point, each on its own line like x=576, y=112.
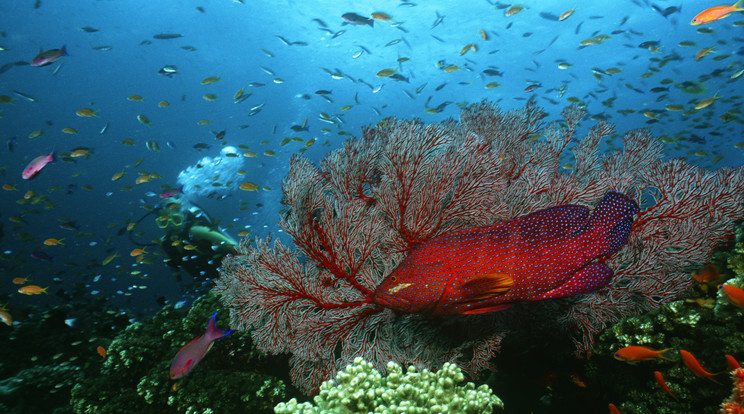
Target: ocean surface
x=169, y=83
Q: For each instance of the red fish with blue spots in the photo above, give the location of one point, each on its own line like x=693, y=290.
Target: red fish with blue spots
x=552, y=253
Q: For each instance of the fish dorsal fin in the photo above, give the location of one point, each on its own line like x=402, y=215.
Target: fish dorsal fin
x=486, y=286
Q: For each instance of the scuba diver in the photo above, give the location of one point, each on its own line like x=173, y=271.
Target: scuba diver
x=193, y=241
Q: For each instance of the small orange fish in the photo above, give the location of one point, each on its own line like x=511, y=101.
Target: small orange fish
x=511, y=11
x=109, y=258
x=702, y=52
x=20, y=280
x=633, y=354
x=468, y=47
x=117, y=175
x=6, y=318
x=706, y=274
x=732, y=363
x=613, y=409
x=712, y=14
x=576, y=379
x=32, y=290
x=380, y=16
x=137, y=252
x=706, y=102
x=101, y=351
x=707, y=303
x=689, y=360
x=53, y=242
x=80, y=153
x=86, y=113
x=733, y=294
x=662, y=384
x=566, y=14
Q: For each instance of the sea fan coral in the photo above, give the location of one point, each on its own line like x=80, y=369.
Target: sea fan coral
x=354, y=217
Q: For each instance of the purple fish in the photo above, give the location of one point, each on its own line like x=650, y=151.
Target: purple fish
x=552, y=253
x=193, y=352
x=42, y=256
x=171, y=192
x=48, y=57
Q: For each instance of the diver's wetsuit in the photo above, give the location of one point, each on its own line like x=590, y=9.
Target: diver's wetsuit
x=198, y=258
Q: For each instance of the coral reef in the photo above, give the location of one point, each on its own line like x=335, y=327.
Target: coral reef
x=52, y=381
x=705, y=324
x=360, y=388
x=134, y=377
x=354, y=217
x=34, y=365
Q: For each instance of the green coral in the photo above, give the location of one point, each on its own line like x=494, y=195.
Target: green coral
x=54, y=382
x=361, y=388
x=232, y=377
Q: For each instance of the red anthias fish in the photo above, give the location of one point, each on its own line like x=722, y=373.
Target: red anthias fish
x=552, y=253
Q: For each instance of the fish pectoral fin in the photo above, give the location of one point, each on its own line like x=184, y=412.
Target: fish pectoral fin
x=486, y=286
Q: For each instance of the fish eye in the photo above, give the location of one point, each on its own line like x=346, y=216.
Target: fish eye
x=393, y=278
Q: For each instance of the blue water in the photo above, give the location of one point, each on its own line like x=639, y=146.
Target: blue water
x=233, y=41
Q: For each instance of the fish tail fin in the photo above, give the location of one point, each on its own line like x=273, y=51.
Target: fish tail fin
x=63, y=49
x=45, y=290
x=611, y=222
x=371, y=23
x=664, y=354
x=213, y=332
x=737, y=6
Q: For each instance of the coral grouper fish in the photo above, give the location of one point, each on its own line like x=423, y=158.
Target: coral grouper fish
x=552, y=253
